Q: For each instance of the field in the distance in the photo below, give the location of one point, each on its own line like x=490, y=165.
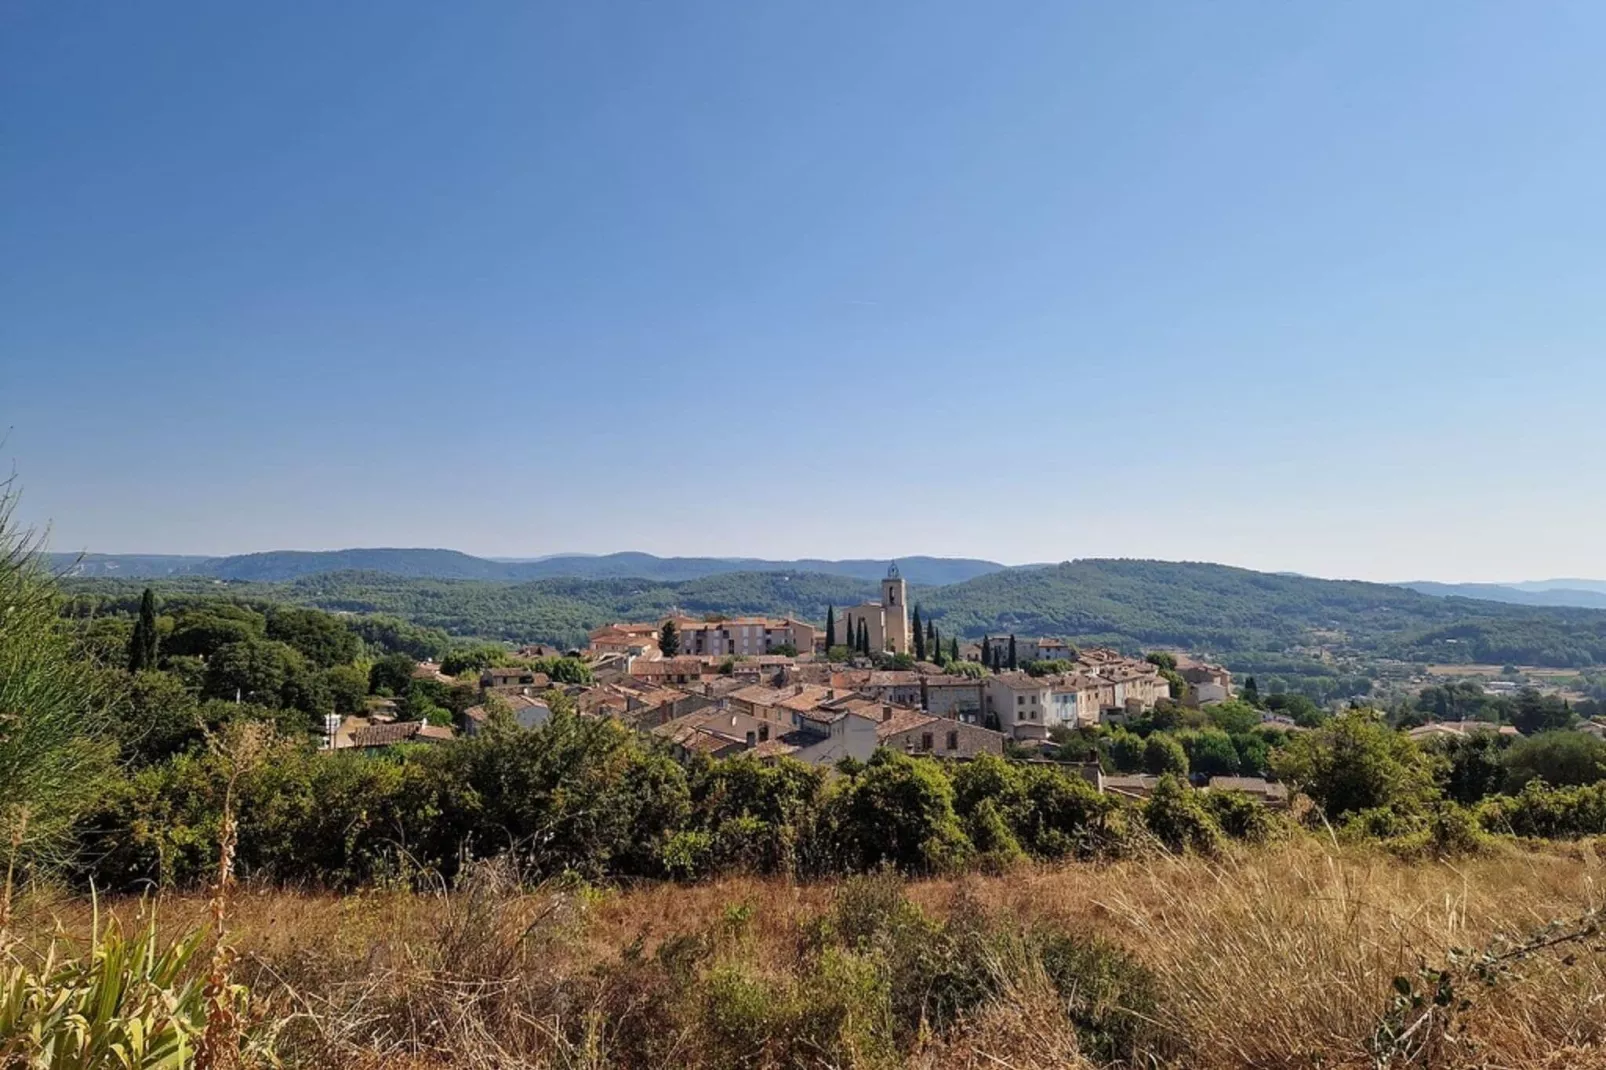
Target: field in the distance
x=1283, y=956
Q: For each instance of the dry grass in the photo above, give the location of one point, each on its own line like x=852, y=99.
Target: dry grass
x=1280, y=957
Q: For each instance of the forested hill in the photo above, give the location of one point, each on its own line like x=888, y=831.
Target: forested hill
x=1201, y=607
x=278, y=566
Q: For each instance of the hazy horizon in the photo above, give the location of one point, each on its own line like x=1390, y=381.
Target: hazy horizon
x=1299, y=288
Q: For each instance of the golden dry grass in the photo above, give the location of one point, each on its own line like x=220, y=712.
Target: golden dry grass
x=1284, y=956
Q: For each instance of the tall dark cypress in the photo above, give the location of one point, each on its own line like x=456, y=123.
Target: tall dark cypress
x=953, y=649
x=986, y=650
x=864, y=637
x=1012, y=664
x=142, y=646
x=934, y=641
x=920, y=636
x=830, y=627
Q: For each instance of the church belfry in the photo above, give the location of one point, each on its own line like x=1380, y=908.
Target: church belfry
x=895, y=610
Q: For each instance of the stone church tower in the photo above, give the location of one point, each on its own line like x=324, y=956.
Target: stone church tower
x=895, y=611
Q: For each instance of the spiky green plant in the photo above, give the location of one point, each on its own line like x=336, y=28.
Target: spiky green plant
x=129, y=1003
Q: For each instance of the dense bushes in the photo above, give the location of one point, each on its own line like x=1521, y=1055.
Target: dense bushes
x=592, y=798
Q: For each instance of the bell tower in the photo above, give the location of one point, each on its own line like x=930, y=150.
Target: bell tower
x=895, y=610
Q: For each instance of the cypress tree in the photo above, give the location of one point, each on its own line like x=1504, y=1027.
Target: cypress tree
x=142, y=646
x=986, y=650
x=934, y=642
x=1012, y=665
x=830, y=627
x=953, y=648
x=669, y=639
x=864, y=637
x=920, y=636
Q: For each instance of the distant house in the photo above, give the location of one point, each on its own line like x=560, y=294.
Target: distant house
x=1269, y=792
x=513, y=678
x=1460, y=730
x=527, y=712
x=375, y=736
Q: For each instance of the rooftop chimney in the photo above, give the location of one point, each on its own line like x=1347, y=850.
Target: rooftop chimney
x=886, y=711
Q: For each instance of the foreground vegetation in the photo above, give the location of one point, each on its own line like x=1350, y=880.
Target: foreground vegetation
x=1294, y=954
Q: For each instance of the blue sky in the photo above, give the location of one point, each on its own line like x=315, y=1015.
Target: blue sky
x=1318, y=287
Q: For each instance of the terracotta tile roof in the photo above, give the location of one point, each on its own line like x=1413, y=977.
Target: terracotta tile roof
x=385, y=735
x=1019, y=681
x=904, y=720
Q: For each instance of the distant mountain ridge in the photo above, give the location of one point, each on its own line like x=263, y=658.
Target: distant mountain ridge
x=278, y=566
x=1583, y=594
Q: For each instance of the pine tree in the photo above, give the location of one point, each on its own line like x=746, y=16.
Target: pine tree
x=1012, y=664
x=669, y=639
x=920, y=636
x=142, y=646
x=830, y=627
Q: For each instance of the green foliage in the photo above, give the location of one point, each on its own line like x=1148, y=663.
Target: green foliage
x=391, y=674
x=899, y=812
x=51, y=708
x=1355, y=762
x=1535, y=713
x=1239, y=815
x=143, y=643
x=669, y=639
x=1179, y=819
x=474, y=659
x=1560, y=758
x=1473, y=767
x=134, y=1003
x=1210, y=752
x=1551, y=813
x=323, y=640
x=1163, y=754
x=1052, y=667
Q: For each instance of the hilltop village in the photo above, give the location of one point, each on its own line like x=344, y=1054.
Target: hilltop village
x=872, y=676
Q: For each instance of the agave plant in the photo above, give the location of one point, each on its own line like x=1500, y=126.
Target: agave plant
x=129, y=1004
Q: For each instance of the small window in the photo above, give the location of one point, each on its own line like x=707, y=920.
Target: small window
x=953, y=740
x=1020, y=700
x=925, y=741
x=763, y=733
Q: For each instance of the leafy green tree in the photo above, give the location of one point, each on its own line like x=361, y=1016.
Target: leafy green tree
x=1306, y=714
x=202, y=631
x=919, y=635
x=256, y=670
x=347, y=687
x=391, y=674
x=1473, y=768
x=474, y=659
x=142, y=646
x=1179, y=819
x=1235, y=717
x=1162, y=659
x=1355, y=762
x=669, y=639
x=1124, y=750
x=322, y=639
x=1251, y=692
x=1536, y=713
x=1163, y=754
x=1562, y=759
x=830, y=627
x=1210, y=752
x=898, y=811
x=1254, y=753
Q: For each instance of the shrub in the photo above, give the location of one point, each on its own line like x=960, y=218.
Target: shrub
x=1355, y=762
x=1163, y=754
x=1112, y=999
x=1240, y=815
x=1561, y=759
x=1179, y=820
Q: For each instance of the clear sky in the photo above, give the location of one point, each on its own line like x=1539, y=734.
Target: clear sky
x=1307, y=286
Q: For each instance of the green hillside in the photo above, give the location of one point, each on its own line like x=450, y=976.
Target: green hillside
x=1215, y=609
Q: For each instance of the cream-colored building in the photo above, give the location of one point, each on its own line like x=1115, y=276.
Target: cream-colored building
x=886, y=621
